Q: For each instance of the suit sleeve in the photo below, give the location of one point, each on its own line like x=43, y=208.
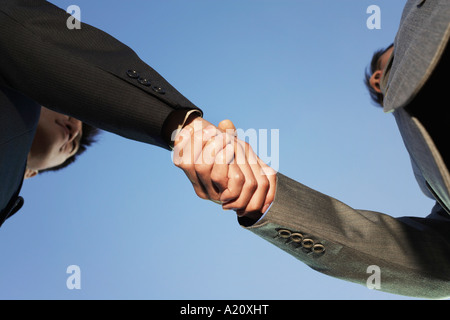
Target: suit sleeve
x=412, y=254
x=84, y=73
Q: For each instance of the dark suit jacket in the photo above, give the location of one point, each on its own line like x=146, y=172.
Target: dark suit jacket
x=18, y=119
x=84, y=73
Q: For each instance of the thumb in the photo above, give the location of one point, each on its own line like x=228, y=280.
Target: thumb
x=227, y=126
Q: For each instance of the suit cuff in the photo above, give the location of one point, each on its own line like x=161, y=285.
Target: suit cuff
x=175, y=122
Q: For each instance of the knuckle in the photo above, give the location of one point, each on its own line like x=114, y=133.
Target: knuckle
x=183, y=165
x=200, y=193
x=217, y=177
x=238, y=178
x=179, y=164
x=233, y=192
x=264, y=184
x=201, y=169
x=251, y=184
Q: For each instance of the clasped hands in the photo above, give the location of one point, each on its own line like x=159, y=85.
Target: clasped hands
x=223, y=168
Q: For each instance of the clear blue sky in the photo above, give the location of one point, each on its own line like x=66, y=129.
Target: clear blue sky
x=130, y=219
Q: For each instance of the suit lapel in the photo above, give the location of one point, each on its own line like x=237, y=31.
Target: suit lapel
x=425, y=157
x=422, y=37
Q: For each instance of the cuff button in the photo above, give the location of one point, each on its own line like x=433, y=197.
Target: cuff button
x=284, y=234
x=318, y=248
x=133, y=74
x=307, y=243
x=297, y=237
x=158, y=90
x=144, y=82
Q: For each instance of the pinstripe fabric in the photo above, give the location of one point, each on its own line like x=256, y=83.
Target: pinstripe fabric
x=84, y=73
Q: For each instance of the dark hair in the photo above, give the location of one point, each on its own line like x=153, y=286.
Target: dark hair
x=88, y=138
x=375, y=66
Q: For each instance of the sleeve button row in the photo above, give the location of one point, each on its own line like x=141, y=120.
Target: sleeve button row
x=298, y=238
x=133, y=74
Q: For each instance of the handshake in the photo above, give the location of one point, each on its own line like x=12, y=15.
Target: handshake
x=223, y=168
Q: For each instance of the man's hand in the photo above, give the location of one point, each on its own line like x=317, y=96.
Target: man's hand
x=223, y=168
x=204, y=152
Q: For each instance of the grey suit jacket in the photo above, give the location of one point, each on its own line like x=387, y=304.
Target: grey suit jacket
x=413, y=254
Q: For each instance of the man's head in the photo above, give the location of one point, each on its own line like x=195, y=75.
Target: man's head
x=374, y=73
x=59, y=139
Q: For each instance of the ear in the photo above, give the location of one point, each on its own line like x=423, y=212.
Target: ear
x=375, y=81
x=30, y=173
x=227, y=126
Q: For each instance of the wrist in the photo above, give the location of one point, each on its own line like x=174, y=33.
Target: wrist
x=176, y=121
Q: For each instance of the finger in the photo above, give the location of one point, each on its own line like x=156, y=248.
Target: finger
x=249, y=182
x=187, y=146
x=202, y=186
x=212, y=156
x=253, y=199
x=235, y=184
x=212, y=148
x=258, y=198
x=271, y=176
x=219, y=172
x=201, y=139
x=227, y=126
